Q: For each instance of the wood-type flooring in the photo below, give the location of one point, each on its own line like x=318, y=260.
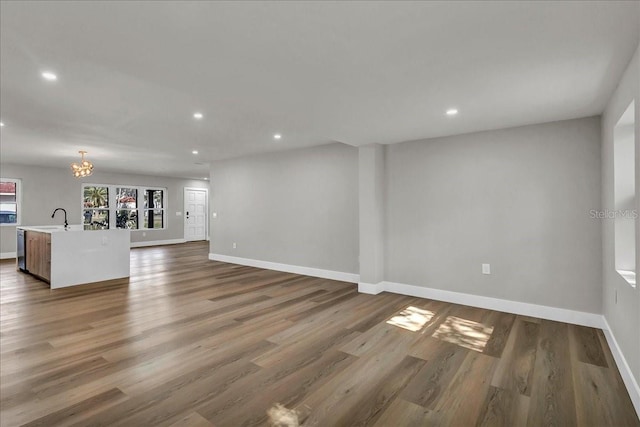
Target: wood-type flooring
x=192, y=342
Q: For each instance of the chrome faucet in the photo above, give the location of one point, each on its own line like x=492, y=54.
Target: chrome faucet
x=66, y=224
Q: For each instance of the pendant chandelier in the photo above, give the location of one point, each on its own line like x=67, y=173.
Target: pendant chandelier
x=82, y=169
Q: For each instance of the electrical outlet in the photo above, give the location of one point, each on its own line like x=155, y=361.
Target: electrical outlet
x=486, y=268
x=234, y=245
x=144, y=234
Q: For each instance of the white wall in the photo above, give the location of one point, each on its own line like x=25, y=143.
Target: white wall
x=516, y=198
x=297, y=207
x=623, y=316
x=44, y=189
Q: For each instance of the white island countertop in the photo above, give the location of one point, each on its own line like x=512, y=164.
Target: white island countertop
x=81, y=256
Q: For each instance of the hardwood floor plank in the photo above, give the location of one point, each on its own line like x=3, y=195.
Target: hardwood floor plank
x=166, y=409
x=80, y=410
x=54, y=379
x=379, y=338
x=165, y=402
x=192, y=420
x=430, y=382
x=587, y=345
x=376, y=400
x=501, y=324
x=597, y=387
x=504, y=408
x=388, y=306
x=280, y=306
x=404, y=413
x=596, y=404
x=552, y=393
x=247, y=402
x=337, y=293
x=38, y=408
x=515, y=369
x=338, y=398
x=529, y=319
x=300, y=352
x=457, y=405
x=326, y=304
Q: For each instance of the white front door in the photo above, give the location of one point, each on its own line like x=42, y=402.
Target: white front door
x=195, y=214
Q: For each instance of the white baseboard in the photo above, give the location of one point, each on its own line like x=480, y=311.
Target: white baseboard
x=370, y=288
x=306, y=271
x=534, y=310
x=7, y=255
x=157, y=243
x=623, y=367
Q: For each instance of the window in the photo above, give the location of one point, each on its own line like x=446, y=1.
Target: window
x=625, y=195
x=9, y=201
x=154, y=209
x=95, y=207
x=127, y=210
x=120, y=206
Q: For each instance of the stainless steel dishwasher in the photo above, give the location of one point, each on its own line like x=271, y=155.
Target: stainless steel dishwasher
x=21, y=252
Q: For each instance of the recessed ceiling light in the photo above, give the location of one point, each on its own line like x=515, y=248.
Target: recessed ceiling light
x=206, y=179
x=48, y=75
x=277, y=136
x=194, y=152
x=198, y=116
x=1, y=125
x=452, y=112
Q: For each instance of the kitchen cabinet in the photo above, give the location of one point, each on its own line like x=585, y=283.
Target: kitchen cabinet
x=38, y=250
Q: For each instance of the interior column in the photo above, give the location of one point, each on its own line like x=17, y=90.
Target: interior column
x=371, y=202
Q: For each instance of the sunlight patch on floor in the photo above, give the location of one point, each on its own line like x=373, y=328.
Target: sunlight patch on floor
x=465, y=333
x=411, y=318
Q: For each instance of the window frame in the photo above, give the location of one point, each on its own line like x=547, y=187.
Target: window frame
x=144, y=209
x=93, y=209
x=18, y=183
x=140, y=209
x=121, y=209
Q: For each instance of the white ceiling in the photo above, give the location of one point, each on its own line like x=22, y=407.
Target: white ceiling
x=131, y=74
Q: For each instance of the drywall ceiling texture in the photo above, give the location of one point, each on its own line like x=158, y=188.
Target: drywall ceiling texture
x=518, y=199
x=45, y=189
x=622, y=313
x=131, y=74
x=299, y=207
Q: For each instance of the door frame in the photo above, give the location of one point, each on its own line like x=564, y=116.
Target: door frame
x=184, y=211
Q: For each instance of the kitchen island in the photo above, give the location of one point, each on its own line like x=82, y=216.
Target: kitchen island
x=72, y=256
